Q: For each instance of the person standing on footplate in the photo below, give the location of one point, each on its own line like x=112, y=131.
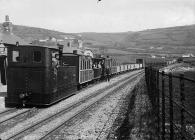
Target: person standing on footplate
x=107, y=74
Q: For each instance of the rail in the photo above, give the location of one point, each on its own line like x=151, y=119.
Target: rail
x=173, y=102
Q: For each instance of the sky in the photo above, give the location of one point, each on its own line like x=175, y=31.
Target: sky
x=74, y=16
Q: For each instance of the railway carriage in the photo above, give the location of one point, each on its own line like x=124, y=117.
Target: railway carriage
x=97, y=68
x=36, y=77
x=83, y=64
x=132, y=66
x=125, y=67
x=140, y=66
x=106, y=63
x=129, y=67
x=118, y=69
x=122, y=68
x=136, y=66
x=113, y=66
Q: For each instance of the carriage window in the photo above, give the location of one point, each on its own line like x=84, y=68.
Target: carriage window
x=37, y=56
x=90, y=66
x=85, y=65
x=15, y=56
x=81, y=64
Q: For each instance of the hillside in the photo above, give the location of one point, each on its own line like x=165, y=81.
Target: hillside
x=175, y=39
x=179, y=39
x=104, y=39
x=32, y=33
x=181, y=36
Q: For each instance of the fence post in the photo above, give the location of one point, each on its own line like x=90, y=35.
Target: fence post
x=171, y=106
x=182, y=99
x=149, y=79
x=163, y=105
x=146, y=75
x=151, y=85
x=158, y=103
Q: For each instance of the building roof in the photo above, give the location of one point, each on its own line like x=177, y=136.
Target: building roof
x=71, y=49
x=10, y=38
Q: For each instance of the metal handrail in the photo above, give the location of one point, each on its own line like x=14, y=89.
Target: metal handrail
x=176, y=76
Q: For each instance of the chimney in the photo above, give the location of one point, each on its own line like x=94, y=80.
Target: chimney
x=6, y=18
x=69, y=44
x=7, y=25
x=80, y=43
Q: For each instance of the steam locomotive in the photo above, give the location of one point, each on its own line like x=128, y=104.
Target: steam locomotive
x=43, y=75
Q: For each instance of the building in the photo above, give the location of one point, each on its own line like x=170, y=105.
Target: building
x=70, y=43
x=188, y=55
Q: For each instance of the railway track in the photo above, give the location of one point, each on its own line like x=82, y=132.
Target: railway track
x=48, y=133
x=13, y=117
x=6, y=111
x=58, y=118
x=96, y=119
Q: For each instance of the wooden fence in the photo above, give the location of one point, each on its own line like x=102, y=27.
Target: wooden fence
x=173, y=99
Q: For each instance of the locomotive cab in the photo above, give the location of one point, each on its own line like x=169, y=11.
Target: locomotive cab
x=35, y=77
x=26, y=73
